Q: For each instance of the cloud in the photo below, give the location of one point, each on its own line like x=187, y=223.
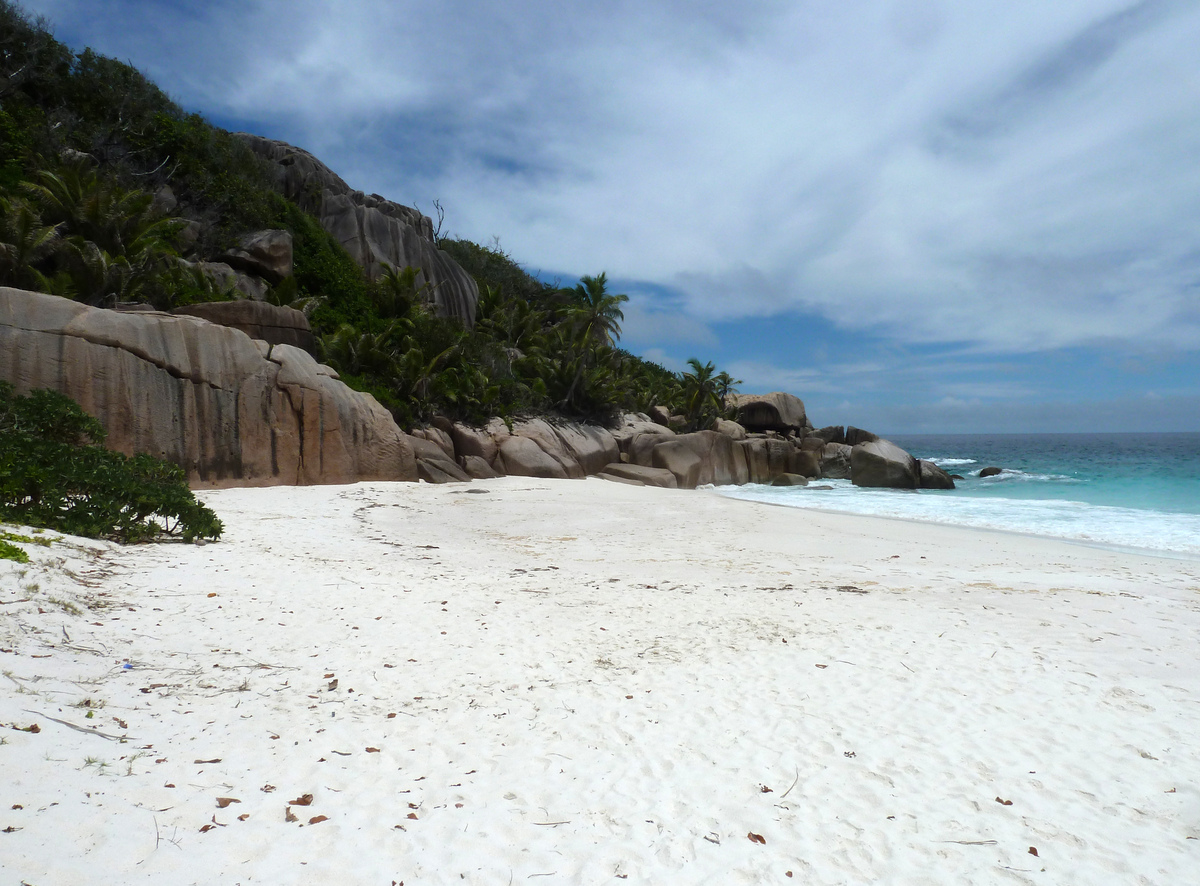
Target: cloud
x=1009, y=177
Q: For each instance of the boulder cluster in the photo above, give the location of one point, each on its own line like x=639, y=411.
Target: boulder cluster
x=228, y=392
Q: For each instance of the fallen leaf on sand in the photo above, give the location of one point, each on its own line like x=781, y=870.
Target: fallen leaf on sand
x=372, y=750
x=822, y=666
x=287, y=814
x=1004, y=802
x=391, y=716
x=763, y=789
x=202, y=762
x=333, y=684
x=756, y=838
x=243, y=817
x=1033, y=851
x=206, y=829
x=413, y=816
x=267, y=788
x=213, y=594
x=303, y=800
x=317, y=819
x=222, y=802
x=329, y=676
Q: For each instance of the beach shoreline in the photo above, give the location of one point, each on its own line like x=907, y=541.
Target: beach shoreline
x=591, y=682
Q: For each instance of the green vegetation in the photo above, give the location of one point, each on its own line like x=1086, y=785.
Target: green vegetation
x=87, y=145
x=56, y=473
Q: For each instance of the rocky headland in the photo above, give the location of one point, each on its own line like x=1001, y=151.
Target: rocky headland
x=228, y=392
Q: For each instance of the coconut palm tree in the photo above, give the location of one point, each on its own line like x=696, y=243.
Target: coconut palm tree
x=700, y=401
x=596, y=312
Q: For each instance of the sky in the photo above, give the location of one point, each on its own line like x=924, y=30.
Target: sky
x=919, y=216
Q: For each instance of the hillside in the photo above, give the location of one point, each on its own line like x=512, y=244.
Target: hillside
x=111, y=194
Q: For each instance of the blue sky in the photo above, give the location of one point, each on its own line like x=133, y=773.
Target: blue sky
x=917, y=215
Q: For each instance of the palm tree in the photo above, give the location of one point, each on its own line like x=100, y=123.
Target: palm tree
x=726, y=387
x=700, y=402
x=596, y=311
x=595, y=316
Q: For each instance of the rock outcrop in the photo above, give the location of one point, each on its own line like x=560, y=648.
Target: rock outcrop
x=258, y=319
x=882, y=463
x=373, y=230
x=646, y=476
x=933, y=477
x=228, y=409
x=266, y=254
x=835, y=461
x=776, y=411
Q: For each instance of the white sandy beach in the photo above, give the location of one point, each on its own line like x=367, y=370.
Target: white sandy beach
x=585, y=682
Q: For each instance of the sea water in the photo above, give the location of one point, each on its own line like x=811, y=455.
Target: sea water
x=1139, y=491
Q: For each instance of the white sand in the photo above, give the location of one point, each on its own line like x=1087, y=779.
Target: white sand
x=595, y=683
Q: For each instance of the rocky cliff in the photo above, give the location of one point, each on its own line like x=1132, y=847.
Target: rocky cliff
x=373, y=230
x=229, y=409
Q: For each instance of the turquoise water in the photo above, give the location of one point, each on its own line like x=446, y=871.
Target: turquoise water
x=1116, y=490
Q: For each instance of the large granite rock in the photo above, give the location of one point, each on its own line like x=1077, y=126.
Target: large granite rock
x=719, y=459
x=373, y=230
x=258, y=319
x=544, y=435
x=634, y=426
x=266, y=254
x=226, y=278
x=933, y=477
x=830, y=434
x=228, y=409
x=474, y=443
x=776, y=411
x=883, y=463
x=522, y=457
x=835, y=461
x=730, y=429
x=646, y=476
x=854, y=436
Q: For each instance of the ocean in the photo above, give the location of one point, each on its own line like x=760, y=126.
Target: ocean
x=1127, y=491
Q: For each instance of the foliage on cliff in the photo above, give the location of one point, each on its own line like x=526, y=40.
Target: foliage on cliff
x=86, y=144
x=56, y=473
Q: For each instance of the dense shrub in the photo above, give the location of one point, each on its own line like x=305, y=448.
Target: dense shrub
x=55, y=472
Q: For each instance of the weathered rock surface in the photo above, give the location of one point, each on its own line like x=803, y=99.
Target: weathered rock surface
x=440, y=471
x=439, y=438
x=647, y=476
x=266, y=254
x=790, y=480
x=227, y=278
x=474, y=442
x=730, y=429
x=718, y=459
x=478, y=468
x=660, y=415
x=229, y=410
x=776, y=411
x=933, y=477
x=373, y=230
x=883, y=463
x=835, y=461
x=854, y=436
x=258, y=319
x=990, y=471
x=552, y=444
x=433, y=464
x=635, y=425
x=679, y=459
x=522, y=457
x=831, y=434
